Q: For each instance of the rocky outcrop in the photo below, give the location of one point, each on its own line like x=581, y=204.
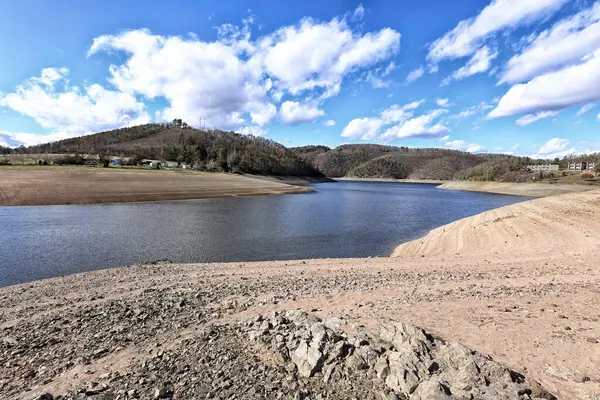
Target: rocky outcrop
x=402, y=358
x=295, y=355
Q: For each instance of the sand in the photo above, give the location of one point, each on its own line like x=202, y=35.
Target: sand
x=21, y=186
x=520, y=283
x=533, y=189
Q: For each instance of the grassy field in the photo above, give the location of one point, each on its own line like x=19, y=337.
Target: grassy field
x=36, y=185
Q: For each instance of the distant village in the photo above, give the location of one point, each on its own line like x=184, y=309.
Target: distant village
x=583, y=167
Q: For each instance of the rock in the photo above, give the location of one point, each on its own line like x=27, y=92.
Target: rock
x=307, y=359
x=39, y=396
x=432, y=390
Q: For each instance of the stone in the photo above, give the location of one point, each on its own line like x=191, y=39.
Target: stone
x=307, y=358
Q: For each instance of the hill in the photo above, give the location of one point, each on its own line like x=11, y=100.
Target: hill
x=207, y=149
x=378, y=161
x=217, y=150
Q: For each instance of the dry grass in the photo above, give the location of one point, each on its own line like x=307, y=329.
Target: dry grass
x=86, y=185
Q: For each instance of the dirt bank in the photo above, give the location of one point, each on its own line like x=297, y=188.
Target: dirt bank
x=519, y=283
x=518, y=189
x=428, y=181
x=85, y=185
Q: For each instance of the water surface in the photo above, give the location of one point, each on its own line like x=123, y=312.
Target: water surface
x=345, y=219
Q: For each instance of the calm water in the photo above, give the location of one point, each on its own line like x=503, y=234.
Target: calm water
x=346, y=219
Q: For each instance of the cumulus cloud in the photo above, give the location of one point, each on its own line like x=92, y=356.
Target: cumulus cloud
x=555, y=147
x=397, y=122
x=335, y=51
x=585, y=109
x=531, y=118
x=467, y=37
x=464, y=146
x=293, y=112
x=72, y=110
x=235, y=79
x=253, y=130
x=363, y=129
x=480, y=62
x=573, y=85
x=414, y=75
x=565, y=43
x=329, y=122
x=423, y=126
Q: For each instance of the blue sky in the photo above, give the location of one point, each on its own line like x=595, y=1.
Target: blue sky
x=511, y=76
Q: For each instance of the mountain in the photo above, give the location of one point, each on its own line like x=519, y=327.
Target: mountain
x=210, y=149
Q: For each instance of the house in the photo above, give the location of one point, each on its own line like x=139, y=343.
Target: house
x=583, y=166
x=543, y=168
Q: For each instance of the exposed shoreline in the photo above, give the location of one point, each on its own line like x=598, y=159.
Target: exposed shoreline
x=85, y=185
x=530, y=189
x=516, y=283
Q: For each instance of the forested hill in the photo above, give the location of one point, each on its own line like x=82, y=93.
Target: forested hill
x=217, y=150
x=377, y=161
x=207, y=149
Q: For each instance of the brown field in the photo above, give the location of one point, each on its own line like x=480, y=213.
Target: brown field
x=88, y=185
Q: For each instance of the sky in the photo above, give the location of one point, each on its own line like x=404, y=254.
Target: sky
x=518, y=77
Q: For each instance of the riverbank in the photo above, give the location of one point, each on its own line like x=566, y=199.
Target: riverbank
x=20, y=186
x=529, y=189
x=518, y=283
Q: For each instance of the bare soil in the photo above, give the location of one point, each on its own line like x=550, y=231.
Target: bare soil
x=86, y=185
x=520, y=284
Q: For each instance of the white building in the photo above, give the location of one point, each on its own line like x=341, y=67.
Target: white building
x=543, y=168
x=582, y=166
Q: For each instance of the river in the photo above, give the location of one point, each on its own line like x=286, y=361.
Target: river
x=344, y=219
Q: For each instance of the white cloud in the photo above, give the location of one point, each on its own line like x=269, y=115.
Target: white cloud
x=377, y=76
x=329, y=122
x=445, y=138
x=253, y=130
x=370, y=128
x=293, y=112
x=464, y=146
x=335, y=51
x=363, y=129
x=70, y=110
x=444, y=103
x=531, y=118
x=198, y=79
x=414, y=75
x=359, y=13
x=480, y=62
x=565, y=43
x=573, y=85
x=466, y=38
x=598, y=116
x=235, y=79
x=465, y=113
x=585, y=109
x=555, y=147
x=423, y=126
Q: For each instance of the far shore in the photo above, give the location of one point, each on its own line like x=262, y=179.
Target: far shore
x=528, y=189
x=517, y=283
x=26, y=186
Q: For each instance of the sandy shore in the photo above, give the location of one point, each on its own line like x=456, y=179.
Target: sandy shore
x=519, y=283
x=530, y=189
x=21, y=186
x=517, y=189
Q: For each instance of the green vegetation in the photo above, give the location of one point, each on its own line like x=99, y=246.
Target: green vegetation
x=211, y=150
x=216, y=150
